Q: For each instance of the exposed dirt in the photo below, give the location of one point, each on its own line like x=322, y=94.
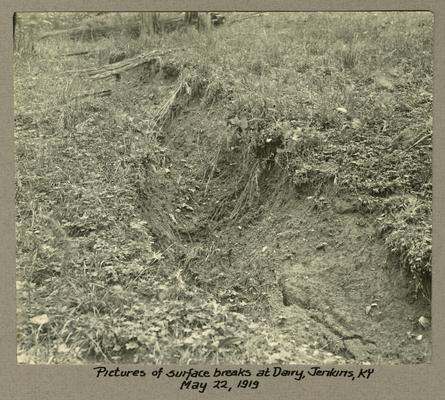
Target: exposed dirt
x=311, y=266
x=326, y=291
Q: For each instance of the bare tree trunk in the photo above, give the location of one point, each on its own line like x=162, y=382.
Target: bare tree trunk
x=149, y=23
x=204, y=22
x=23, y=39
x=146, y=24
x=14, y=22
x=156, y=22
x=190, y=17
x=201, y=20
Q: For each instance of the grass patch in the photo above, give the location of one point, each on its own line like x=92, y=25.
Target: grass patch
x=324, y=97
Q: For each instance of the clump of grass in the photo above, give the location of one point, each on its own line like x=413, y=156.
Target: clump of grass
x=348, y=57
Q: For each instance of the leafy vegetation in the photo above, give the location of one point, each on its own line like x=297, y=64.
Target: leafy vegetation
x=338, y=104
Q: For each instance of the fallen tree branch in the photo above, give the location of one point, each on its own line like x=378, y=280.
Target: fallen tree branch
x=100, y=93
x=79, y=53
x=166, y=24
x=88, y=31
x=233, y=21
x=108, y=70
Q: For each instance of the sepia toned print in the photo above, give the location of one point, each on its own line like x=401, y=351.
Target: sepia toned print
x=223, y=187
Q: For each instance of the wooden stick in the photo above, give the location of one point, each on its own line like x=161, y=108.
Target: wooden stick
x=79, y=53
x=420, y=140
x=100, y=93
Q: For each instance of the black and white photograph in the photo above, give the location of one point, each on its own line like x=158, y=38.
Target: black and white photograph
x=243, y=188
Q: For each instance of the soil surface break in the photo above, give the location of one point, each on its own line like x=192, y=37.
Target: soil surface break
x=314, y=270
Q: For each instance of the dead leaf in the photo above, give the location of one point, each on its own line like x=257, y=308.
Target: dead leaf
x=394, y=72
x=131, y=345
x=356, y=123
x=172, y=217
x=425, y=93
x=424, y=322
x=157, y=256
x=63, y=348
x=235, y=121
x=40, y=319
x=368, y=309
x=187, y=207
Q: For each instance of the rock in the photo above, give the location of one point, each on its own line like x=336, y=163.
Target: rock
x=321, y=246
x=288, y=234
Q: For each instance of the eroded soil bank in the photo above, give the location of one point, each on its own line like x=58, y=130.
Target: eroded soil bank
x=249, y=194
x=304, y=261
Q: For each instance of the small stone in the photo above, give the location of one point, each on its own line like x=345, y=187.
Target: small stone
x=321, y=246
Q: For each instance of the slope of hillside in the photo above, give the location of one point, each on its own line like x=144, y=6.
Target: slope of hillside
x=259, y=194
